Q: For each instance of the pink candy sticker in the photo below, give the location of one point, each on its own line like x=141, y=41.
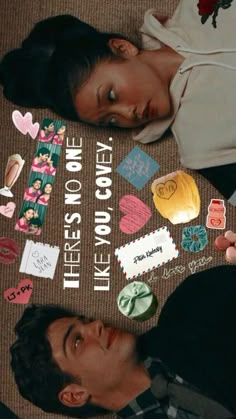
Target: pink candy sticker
x=21, y=294
x=136, y=213
x=24, y=123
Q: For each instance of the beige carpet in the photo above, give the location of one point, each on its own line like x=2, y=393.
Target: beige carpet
x=17, y=18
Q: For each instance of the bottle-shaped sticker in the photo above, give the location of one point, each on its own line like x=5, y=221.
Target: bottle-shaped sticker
x=216, y=214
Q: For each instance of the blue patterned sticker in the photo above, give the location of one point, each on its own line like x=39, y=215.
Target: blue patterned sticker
x=138, y=167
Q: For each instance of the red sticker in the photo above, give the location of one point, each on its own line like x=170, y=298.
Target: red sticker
x=21, y=294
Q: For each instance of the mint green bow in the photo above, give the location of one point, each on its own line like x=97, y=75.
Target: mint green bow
x=130, y=294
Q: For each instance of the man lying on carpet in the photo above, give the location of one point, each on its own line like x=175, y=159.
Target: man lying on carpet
x=183, y=78
x=183, y=368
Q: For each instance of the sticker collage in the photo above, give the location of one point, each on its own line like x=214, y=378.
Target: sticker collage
x=175, y=196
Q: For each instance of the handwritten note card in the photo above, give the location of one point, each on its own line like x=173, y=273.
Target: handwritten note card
x=39, y=259
x=146, y=253
x=137, y=167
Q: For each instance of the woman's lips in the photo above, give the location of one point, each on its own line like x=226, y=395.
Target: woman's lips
x=8, y=250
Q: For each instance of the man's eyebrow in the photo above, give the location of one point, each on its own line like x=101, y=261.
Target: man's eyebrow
x=67, y=334
x=98, y=95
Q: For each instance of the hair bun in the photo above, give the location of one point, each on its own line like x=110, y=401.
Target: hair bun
x=23, y=71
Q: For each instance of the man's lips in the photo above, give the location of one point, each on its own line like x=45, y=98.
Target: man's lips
x=111, y=336
x=8, y=250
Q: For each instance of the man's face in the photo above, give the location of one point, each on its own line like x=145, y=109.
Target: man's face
x=97, y=356
x=44, y=157
x=37, y=184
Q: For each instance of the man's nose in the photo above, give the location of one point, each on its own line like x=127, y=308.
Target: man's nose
x=94, y=328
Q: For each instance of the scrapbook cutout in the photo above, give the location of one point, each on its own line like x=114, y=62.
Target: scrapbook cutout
x=40, y=182
x=194, y=238
x=21, y=294
x=176, y=197
x=8, y=210
x=137, y=168
x=137, y=301
x=146, y=253
x=136, y=213
x=39, y=259
x=13, y=170
x=216, y=214
x=227, y=243
x=8, y=250
x=24, y=123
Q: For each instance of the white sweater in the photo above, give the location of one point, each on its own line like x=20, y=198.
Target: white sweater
x=203, y=91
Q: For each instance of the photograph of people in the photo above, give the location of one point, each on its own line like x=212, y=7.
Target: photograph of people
x=45, y=195
x=34, y=191
x=23, y=222
x=59, y=136
x=39, y=163
x=172, y=81
x=47, y=133
x=51, y=165
x=184, y=365
x=35, y=226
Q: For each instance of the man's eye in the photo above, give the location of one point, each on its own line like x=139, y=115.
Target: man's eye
x=111, y=95
x=77, y=341
x=113, y=122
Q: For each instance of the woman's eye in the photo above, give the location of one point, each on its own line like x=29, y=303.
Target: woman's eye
x=112, y=95
x=77, y=341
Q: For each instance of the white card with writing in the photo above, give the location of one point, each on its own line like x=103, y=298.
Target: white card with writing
x=39, y=259
x=146, y=253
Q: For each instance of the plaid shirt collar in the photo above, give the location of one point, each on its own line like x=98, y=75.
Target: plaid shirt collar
x=146, y=405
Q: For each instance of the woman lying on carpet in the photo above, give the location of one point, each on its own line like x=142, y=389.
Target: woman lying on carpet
x=183, y=368
x=182, y=78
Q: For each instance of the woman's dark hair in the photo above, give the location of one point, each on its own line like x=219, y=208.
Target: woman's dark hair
x=56, y=58
x=25, y=210
x=38, y=377
x=55, y=159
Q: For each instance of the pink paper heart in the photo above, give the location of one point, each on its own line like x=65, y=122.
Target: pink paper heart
x=8, y=210
x=137, y=214
x=24, y=123
x=21, y=294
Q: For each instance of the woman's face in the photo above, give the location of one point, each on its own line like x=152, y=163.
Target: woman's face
x=29, y=214
x=48, y=188
x=61, y=130
x=125, y=93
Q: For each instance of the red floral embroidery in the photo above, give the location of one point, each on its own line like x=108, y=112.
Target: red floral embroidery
x=206, y=7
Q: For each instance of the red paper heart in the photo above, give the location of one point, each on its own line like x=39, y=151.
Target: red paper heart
x=215, y=222
x=137, y=214
x=21, y=294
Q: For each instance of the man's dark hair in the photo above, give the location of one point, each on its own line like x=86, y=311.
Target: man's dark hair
x=54, y=60
x=38, y=377
x=42, y=150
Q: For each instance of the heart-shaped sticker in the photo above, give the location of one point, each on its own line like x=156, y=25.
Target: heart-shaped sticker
x=24, y=123
x=21, y=294
x=137, y=214
x=166, y=190
x=8, y=210
x=215, y=222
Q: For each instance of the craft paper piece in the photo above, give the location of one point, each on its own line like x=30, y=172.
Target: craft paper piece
x=146, y=253
x=227, y=243
x=39, y=259
x=13, y=169
x=52, y=131
x=137, y=167
x=8, y=250
x=8, y=210
x=194, y=238
x=137, y=214
x=24, y=123
x=176, y=197
x=216, y=214
x=21, y=294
